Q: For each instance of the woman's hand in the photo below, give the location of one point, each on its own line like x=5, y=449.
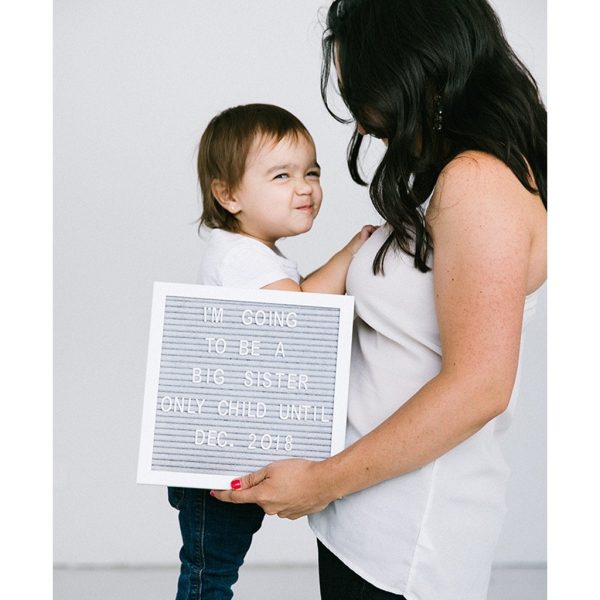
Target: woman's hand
x=288, y=488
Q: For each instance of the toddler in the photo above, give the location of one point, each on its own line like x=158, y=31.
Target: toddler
x=259, y=180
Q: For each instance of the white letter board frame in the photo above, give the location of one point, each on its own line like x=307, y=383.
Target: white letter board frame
x=149, y=474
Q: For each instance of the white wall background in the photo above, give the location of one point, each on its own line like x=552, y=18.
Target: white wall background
x=136, y=81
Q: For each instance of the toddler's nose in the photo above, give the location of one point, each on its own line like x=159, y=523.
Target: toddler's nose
x=303, y=187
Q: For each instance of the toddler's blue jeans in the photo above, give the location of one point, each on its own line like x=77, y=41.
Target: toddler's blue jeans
x=216, y=536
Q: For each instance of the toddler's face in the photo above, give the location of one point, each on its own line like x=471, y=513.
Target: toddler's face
x=280, y=193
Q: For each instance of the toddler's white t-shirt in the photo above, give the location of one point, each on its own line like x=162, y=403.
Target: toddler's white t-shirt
x=235, y=260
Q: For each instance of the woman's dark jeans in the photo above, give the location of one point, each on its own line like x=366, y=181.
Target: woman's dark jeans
x=216, y=536
x=339, y=582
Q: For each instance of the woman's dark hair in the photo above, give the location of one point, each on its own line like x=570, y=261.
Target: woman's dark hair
x=400, y=62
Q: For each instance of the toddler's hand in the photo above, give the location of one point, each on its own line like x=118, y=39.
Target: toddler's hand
x=360, y=238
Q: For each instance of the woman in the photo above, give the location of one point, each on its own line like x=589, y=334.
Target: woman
x=413, y=507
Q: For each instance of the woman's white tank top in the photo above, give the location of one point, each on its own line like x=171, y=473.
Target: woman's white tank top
x=431, y=533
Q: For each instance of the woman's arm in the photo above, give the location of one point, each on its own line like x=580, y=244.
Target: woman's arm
x=331, y=277
x=482, y=236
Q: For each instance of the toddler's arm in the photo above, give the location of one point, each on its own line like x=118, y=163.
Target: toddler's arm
x=331, y=277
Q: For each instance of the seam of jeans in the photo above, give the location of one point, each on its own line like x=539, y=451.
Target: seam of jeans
x=363, y=589
x=202, y=524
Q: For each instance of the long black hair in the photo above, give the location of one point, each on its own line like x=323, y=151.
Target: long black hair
x=435, y=78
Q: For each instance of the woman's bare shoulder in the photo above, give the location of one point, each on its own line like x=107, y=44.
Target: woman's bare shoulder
x=475, y=175
x=478, y=196
x=475, y=180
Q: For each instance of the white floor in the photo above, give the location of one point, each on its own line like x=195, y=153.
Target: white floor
x=266, y=583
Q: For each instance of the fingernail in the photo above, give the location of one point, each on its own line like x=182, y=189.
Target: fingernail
x=236, y=484
x=212, y=493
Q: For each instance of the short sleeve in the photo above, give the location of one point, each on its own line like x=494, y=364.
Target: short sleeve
x=253, y=266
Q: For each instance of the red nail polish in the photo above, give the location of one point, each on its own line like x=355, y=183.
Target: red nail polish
x=212, y=493
x=236, y=484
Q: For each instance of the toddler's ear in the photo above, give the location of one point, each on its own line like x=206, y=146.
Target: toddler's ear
x=223, y=195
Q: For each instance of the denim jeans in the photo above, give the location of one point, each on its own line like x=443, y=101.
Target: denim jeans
x=337, y=581
x=216, y=536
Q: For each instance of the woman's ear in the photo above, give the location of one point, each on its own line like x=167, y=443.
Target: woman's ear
x=224, y=197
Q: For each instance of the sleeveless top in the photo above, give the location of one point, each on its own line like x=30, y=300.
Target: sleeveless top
x=431, y=533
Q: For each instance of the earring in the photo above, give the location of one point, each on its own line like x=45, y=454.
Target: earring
x=438, y=113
